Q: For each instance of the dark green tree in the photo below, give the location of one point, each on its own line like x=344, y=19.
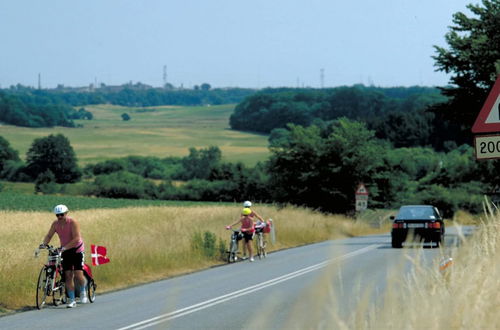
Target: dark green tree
x=473, y=59
x=7, y=153
x=321, y=168
x=46, y=183
x=125, y=116
x=53, y=153
x=200, y=163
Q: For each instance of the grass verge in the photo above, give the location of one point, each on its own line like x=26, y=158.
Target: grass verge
x=147, y=243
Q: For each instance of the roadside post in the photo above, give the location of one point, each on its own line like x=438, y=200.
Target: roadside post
x=486, y=128
x=361, y=196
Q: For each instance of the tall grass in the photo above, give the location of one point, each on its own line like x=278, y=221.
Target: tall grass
x=145, y=243
x=465, y=295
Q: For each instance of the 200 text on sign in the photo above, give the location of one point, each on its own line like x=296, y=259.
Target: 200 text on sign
x=487, y=146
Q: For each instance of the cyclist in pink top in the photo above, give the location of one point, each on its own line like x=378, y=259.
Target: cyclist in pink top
x=247, y=229
x=68, y=230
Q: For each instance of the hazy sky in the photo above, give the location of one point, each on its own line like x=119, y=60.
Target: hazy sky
x=226, y=43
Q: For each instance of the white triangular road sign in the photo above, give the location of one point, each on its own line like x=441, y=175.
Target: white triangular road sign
x=488, y=120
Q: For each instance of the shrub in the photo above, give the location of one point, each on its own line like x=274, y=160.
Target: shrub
x=123, y=185
x=205, y=244
x=46, y=183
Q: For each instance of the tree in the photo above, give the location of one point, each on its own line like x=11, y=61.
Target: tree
x=321, y=168
x=473, y=58
x=7, y=153
x=200, y=163
x=125, y=116
x=205, y=87
x=53, y=153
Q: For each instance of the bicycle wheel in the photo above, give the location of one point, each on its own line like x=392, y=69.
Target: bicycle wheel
x=260, y=246
x=91, y=286
x=59, y=295
x=231, y=257
x=42, y=287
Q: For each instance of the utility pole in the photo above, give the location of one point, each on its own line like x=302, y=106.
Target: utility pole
x=164, y=75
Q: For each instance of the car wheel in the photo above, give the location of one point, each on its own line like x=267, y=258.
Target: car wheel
x=396, y=244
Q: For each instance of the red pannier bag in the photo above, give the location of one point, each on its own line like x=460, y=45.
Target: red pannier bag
x=267, y=229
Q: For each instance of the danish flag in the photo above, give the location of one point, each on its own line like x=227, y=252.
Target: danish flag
x=98, y=254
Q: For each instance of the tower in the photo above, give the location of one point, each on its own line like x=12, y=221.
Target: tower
x=164, y=75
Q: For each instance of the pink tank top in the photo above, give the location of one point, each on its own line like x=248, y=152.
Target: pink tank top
x=66, y=234
x=247, y=223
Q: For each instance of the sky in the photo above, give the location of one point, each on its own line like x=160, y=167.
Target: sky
x=225, y=43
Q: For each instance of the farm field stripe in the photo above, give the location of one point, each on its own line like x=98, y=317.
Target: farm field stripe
x=218, y=300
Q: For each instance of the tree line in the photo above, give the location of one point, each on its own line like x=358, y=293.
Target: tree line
x=398, y=115
x=314, y=166
x=30, y=107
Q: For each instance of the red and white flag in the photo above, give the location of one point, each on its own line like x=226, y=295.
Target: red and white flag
x=98, y=254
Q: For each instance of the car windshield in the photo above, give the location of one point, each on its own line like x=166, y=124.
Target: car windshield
x=416, y=213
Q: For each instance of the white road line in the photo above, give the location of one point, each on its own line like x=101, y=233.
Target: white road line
x=218, y=300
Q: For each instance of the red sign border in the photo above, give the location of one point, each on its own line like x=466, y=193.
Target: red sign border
x=357, y=193
x=480, y=125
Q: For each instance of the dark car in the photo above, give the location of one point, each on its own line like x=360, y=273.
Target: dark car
x=417, y=221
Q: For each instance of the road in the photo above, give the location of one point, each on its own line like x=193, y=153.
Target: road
x=293, y=288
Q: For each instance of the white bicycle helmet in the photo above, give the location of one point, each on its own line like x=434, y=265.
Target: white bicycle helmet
x=60, y=209
x=247, y=204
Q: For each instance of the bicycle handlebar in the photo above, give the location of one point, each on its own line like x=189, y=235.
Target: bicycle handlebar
x=50, y=248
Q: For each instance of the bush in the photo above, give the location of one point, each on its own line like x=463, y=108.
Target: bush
x=450, y=200
x=46, y=183
x=206, y=245
x=123, y=185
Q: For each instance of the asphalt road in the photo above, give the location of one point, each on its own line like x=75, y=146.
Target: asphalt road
x=297, y=288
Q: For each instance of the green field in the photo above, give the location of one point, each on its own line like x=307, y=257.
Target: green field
x=19, y=201
x=153, y=131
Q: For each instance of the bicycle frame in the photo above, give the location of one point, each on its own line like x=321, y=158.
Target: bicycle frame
x=233, y=246
x=52, y=276
x=261, y=243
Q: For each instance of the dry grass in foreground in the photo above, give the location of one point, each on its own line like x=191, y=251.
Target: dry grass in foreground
x=147, y=243
x=465, y=295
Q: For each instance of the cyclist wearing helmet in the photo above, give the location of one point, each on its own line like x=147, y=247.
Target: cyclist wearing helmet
x=68, y=230
x=248, y=204
x=246, y=228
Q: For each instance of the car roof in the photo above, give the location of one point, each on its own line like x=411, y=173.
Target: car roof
x=417, y=206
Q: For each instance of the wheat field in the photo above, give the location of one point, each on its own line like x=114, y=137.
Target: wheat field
x=147, y=243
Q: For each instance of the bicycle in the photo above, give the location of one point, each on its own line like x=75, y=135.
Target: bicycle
x=51, y=280
x=236, y=235
x=260, y=229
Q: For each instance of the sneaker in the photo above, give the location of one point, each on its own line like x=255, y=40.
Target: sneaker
x=251, y=259
x=71, y=304
x=84, y=300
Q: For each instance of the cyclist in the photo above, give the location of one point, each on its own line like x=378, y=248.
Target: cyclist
x=247, y=229
x=248, y=204
x=72, y=247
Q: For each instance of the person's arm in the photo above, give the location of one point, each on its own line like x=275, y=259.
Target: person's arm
x=229, y=226
x=258, y=216
x=49, y=235
x=75, y=228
